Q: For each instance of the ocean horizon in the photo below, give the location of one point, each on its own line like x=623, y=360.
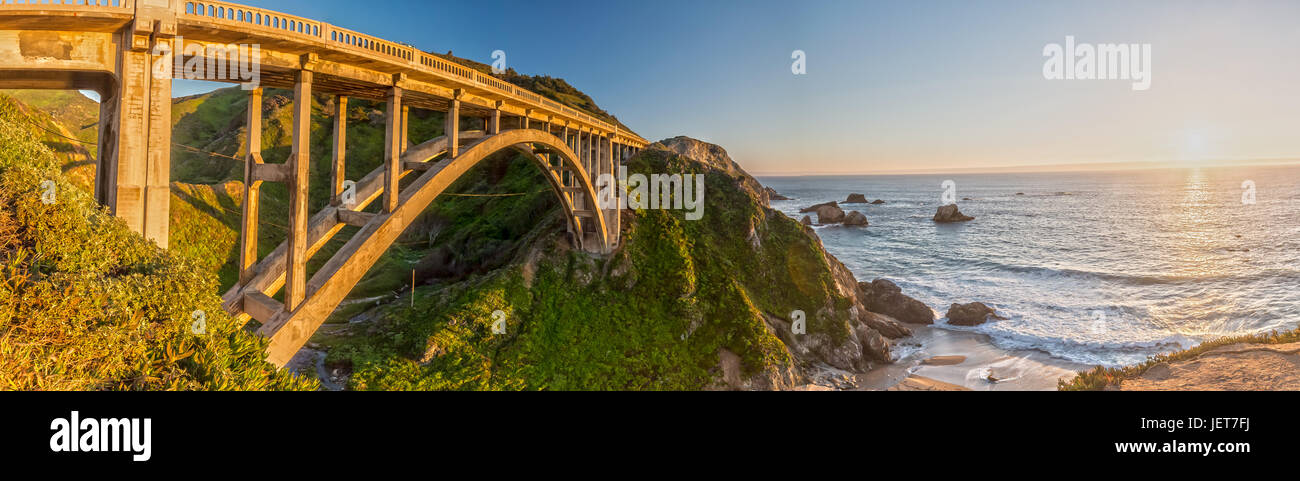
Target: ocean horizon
x=1099, y=268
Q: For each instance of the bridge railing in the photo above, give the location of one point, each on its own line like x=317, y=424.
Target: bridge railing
x=438, y=63
x=349, y=39
x=108, y=5
x=258, y=18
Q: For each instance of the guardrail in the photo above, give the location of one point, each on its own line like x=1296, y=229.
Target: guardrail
x=290, y=26
x=259, y=18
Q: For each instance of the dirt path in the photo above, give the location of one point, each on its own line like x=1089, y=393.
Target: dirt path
x=1236, y=367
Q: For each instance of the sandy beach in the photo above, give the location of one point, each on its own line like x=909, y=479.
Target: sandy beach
x=959, y=359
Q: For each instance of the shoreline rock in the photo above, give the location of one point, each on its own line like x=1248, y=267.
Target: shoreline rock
x=950, y=213
x=856, y=199
x=772, y=195
x=884, y=297
x=830, y=214
x=814, y=208
x=856, y=219
x=972, y=314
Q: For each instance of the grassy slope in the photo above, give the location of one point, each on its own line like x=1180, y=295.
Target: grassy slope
x=653, y=316
x=86, y=304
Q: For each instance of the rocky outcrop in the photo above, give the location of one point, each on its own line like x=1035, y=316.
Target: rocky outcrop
x=772, y=195
x=887, y=326
x=813, y=208
x=950, y=213
x=716, y=157
x=884, y=297
x=830, y=214
x=972, y=314
x=877, y=202
x=861, y=343
x=856, y=199
x=855, y=219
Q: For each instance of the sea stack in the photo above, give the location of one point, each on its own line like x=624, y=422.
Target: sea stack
x=856, y=219
x=950, y=213
x=972, y=314
x=814, y=208
x=830, y=214
x=856, y=199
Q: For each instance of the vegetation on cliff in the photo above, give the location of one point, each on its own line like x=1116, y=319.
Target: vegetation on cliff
x=85, y=304
x=658, y=314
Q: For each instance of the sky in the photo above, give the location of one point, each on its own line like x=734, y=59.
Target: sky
x=890, y=86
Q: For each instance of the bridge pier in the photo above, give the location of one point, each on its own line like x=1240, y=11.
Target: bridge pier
x=406, y=129
x=392, y=149
x=451, y=127
x=133, y=177
x=338, y=166
x=298, y=172
x=252, y=190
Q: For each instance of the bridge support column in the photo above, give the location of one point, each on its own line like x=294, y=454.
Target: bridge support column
x=338, y=166
x=252, y=190
x=406, y=128
x=298, y=169
x=133, y=178
x=451, y=128
x=393, y=149
x=614, y=219
x=492, y=125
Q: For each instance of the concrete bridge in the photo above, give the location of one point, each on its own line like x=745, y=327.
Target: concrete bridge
x=118, y=48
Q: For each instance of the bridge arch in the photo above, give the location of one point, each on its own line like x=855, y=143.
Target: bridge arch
x=290, y=330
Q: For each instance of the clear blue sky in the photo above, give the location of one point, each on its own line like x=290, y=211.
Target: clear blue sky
x=897, y=85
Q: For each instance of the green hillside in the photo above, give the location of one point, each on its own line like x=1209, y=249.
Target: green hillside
x=85, y=304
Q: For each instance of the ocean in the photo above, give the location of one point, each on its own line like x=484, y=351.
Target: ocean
x=1103, y=268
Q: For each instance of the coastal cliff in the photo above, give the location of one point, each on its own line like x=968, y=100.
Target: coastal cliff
x=706, y=304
